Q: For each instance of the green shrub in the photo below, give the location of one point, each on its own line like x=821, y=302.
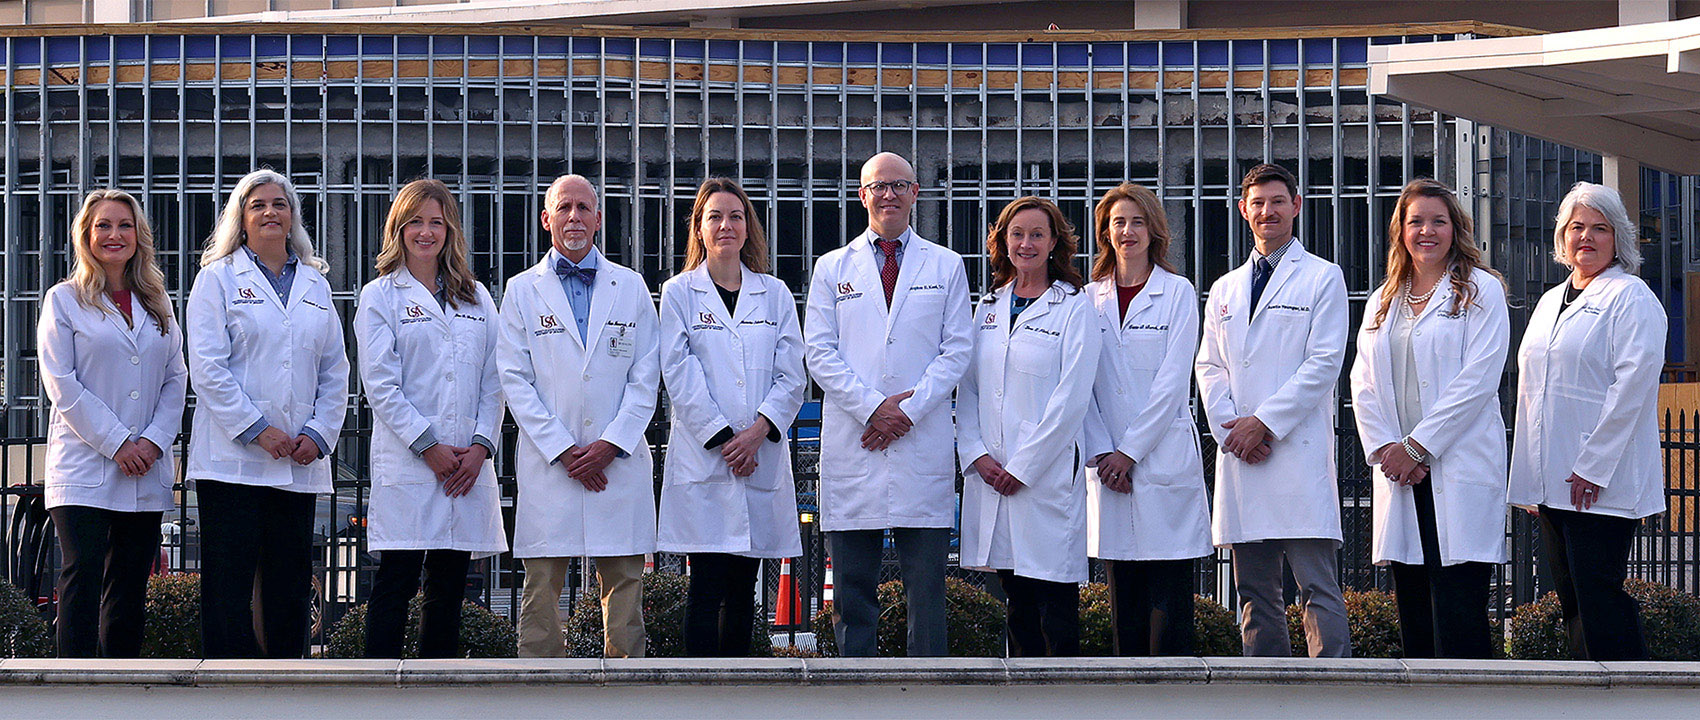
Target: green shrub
x=1670, y=620
x=173, y=617
x=1373, y=618
x=483, y=634
x=664, y=599
x=1215, y=634
x=24, y=633
x=1218, y=632
x=973, y=618
x=1097, y=620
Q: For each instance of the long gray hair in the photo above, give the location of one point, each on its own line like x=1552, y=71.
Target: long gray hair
x=228, y=235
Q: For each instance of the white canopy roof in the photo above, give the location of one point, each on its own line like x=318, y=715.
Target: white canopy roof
x=1631, y=91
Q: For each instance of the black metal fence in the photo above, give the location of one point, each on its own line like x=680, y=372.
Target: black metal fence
x=1667, y=549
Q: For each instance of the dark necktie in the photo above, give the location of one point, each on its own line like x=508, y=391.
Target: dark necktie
x=565, y=269
x=1260, y=272
x=888, y=271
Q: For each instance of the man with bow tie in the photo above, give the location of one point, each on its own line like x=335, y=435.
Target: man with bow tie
x=579, y=362
x=888, y=336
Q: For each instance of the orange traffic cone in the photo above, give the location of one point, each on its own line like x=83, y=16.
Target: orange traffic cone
x=785, y=610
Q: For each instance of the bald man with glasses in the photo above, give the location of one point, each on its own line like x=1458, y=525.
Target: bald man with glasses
x=889, y=335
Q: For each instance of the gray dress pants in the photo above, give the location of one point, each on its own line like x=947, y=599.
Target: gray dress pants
x=1263, y=607
x=856, y=559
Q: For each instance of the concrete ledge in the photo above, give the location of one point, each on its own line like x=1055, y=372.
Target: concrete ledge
x=852, y=671
x=970, y=688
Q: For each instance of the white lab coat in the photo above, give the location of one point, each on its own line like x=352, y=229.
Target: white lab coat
x=1141, y=405
x=722, y=368
x=1459, y=360
x=1587, y=398
x=1023, y=401
x=564, y=391
x=424, y=367
x=251, y=356
x=859, y=352
x=1282, y=365
x=109, y=382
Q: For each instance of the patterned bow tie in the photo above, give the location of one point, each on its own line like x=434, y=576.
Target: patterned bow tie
x=565, y=269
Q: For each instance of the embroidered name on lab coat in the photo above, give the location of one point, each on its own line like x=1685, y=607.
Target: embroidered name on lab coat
x=758, y=321
x=1042, y=331
x=1295, y=308
x=914, y=288
x=1148, y=327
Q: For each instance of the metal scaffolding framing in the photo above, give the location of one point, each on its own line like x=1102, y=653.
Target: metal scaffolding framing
x=351, y=115
x=178, y=118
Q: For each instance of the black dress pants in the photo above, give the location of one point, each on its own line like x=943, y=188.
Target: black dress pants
x=1587, y=557
x=439, y=615
x=256, y=570
x=1443, y=609
x=103, y=580
x=720, y=611
x=1044, y=616
x=1151, y=607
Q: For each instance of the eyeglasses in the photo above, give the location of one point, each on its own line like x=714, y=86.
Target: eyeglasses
x=895, y=187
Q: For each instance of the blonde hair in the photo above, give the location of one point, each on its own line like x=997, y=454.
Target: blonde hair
x=1626, y=250
x=458, y=281
x=1461, y=259
x=754, y=252
x=147, y=283
x=1156, y=227
x=228, y=235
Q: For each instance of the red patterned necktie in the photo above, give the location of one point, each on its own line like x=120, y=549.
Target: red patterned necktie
x=888, y=271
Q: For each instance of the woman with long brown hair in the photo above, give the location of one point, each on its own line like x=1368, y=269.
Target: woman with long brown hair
x=1149, y=514
x=111, y=356
x=1019, y=412
x=732, y=357
x=1425, y=392
x=426, y=330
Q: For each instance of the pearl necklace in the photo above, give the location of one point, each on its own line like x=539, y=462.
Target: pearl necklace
x=1412, y=301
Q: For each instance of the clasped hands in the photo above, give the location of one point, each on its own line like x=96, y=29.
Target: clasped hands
x=136, y=457
x=1399, y=466
x=457, y=468
x=888, y=423
x=1248, y=439
x=740, y=452
x=279, y=445
x=586, y=463
x=993, y=474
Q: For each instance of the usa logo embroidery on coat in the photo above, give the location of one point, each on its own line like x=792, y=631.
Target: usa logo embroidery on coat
x=548, y=325
x=246, y=296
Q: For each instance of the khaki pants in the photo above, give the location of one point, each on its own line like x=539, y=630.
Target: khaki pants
x=621, y=579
